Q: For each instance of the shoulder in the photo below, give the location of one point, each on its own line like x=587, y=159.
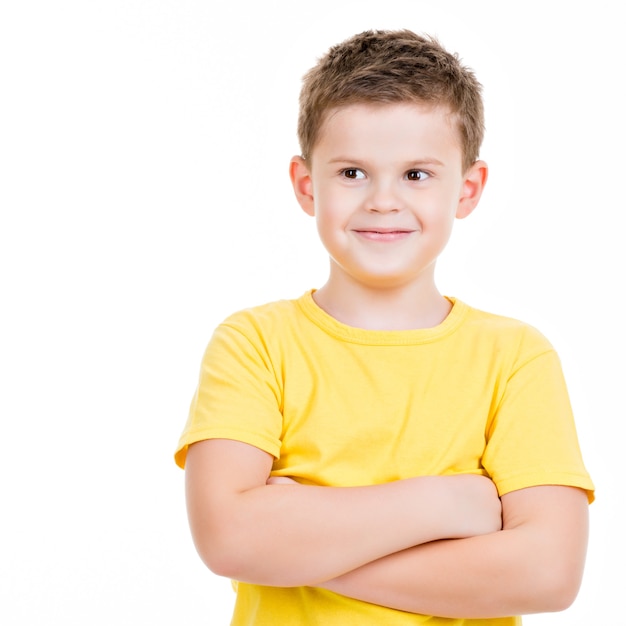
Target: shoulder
x=263, y=323
x=504, y=326
x=503, y=333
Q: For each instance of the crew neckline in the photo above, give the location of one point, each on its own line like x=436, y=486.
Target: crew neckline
x=353, y=334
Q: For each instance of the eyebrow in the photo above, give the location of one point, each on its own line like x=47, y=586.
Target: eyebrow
x=413, y=164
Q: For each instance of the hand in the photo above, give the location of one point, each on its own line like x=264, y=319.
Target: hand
x=476, y=507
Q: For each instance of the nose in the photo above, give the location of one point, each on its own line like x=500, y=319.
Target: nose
x=383, y=198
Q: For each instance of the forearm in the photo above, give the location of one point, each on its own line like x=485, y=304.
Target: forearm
x=529, y=567
x=465, y=578
x=293, y=536
x=300, y=535
x=290, y=535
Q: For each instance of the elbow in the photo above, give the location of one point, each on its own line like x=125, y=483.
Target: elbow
x=219, y=564
x=556, y=589
x=220, y=558
x=563, y=592
x=232, y=557
x=222, y=544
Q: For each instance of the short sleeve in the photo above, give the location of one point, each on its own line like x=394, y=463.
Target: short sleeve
x=238, y=395
x=532, y=437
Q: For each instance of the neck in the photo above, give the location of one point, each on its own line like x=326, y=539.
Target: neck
x=406, y=307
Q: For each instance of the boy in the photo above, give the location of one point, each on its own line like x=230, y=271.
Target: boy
x=375, y=452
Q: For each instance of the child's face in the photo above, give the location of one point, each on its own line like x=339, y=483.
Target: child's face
x=385, y=184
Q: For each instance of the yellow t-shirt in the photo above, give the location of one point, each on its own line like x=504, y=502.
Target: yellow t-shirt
x=342, y=406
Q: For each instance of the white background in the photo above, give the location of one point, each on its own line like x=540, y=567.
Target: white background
x=144, y=196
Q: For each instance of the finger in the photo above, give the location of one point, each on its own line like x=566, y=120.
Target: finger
x=281, y=480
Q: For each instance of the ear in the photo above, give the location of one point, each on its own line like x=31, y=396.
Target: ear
x=474, y=181
x=300, y=175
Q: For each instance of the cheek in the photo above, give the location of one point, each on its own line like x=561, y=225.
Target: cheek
x=439, y=224
x=332, y=207
x=442, y=211
x=328, y=225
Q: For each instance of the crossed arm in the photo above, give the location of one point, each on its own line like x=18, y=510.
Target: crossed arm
x=431, y=545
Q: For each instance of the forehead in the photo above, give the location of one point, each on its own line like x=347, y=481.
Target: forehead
x=404, y=126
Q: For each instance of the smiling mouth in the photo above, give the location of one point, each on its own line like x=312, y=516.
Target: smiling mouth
x=383, y=234
x=383, y=231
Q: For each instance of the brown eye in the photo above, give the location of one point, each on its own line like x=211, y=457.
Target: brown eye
x=353, y=173
x=417, y=175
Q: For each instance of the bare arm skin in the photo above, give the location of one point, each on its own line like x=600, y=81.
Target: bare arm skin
x=533, y=565
x=291, y=535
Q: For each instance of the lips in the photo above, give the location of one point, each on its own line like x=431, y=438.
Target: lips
x=383, y=234
x=384, y=230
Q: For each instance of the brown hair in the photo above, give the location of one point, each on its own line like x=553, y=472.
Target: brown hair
x=381, y=67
